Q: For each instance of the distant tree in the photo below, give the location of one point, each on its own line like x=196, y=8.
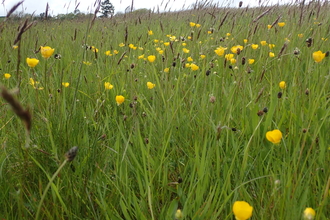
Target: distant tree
x=107, y=9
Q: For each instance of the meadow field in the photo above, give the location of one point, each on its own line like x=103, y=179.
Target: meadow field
x=204, y=114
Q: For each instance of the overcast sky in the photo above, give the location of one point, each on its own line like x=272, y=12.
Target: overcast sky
x=67, y=6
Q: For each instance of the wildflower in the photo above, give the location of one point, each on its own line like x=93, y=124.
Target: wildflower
x=233, y=61
x=7, y=75
x=87, y=63
x=172, y=38
x=269, y=26
x=245, y=41
x=120, y=99
x=189, y=59
x=166, y=43
x=185, y=50
x=151, y=58
x=202, y=56
x=46, y=52
x=254, y=46
x=234, y=49
x=263, y=43
x=189, y=37
x=187, y=65
x=242, y=210
x=198, y=25
x=184, y=44
x=282, y=85
x=300, y=35
x=156, y=41
x=141, y=57
x=15, y=46
x=108, y=86
x=229, y=56
x=194, y=67
x=192, y=24
x=34, y=84
x=108, y=53
x=274, y=136
x=228, y=34
x=309, y=214
x=318, y=56
x=209, y=32
x=281, y=24
x=158, y=48
x=115, y=52
x=161, y=52
x=150, y=85
x=271, y=54
x=178, y=214
x=95, y=50
x=271, y=46
x=121, y=45
x=65, y=84
x=166, y=70
x=32, y=62
x=150, y=32
x=220, y=51
x=251, y=61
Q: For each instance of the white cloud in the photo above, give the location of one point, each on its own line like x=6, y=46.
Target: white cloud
x=67, y=6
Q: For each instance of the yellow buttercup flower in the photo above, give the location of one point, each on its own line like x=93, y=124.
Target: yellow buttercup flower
x=251, y=61
x=65, y=84
x=198, y=25
x=318, y=56
x=108, y=86
x=189, y=59
x=274, y=136
x=269, y=26
x=166, y=70
x=271, y=46
x=184, y=44
x=194, y=67
x=233, y=60
x=309, y=214
x=282, y=85
x=150, y=85
x=121, y=45
x=150, y=32
x=263, y=43
x=151, y=58
x=234, y=49
x=120, y=99
x=7, y=75
x=245, y=41
x=115, y=52
x=300, y=35
x=141, y=56
x=281, y=24
x=220, y=51
x=46, y=51
x=32, y=62
x=192, y=24
x=166, y=43
x=35, y=84
x=108, y=53
x=202, y=56
x=229, y=56
x=271, y=54
x=254, y=46
x=242, y=210
x=185, y=50
x=15, y=46
x=187, y=65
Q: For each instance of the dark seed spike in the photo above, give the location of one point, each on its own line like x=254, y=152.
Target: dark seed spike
x=71, y=154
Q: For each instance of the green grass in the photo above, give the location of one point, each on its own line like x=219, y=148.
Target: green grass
x=194, y=142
